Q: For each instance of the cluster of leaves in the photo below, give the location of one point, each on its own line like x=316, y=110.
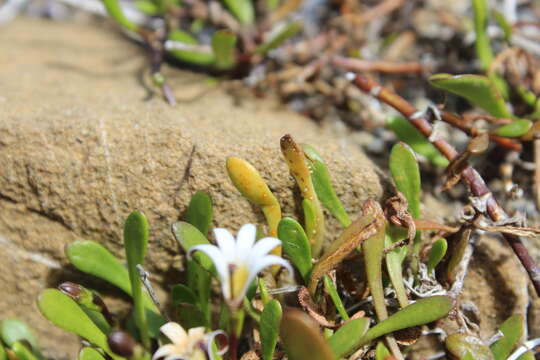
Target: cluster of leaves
x=229, y=36
x=81, y=311
x=17, y=341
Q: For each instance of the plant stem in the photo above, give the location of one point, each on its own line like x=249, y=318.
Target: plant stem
x=470, y=176
x=237, y=323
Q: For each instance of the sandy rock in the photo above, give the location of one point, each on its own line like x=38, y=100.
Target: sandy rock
x=81, y=147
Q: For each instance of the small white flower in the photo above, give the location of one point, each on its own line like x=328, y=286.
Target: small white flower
x=192, y=345
x=238, y=262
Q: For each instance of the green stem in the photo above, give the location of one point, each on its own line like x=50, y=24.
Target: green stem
x=139, y=308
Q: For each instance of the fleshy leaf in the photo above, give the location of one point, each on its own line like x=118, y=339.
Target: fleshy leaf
x=287, y=32
x=512, y=329
x=115, y=11
x=199, y=212
x=89, y=353
x=180, y=293
x=189, y=236
x=459, y=345
x=3, y=355
x=297, y=163
x=331, y=290
x=406, y=174
x=516, y=128
x=302, y=338
x=253, y=187
x=381, y=352
x=360, y=230
x=135, y=244
x=13, y=330
x=343, y=340
x=224, y=45
x=269, y=328
x=483, y=47
x=22, y=351
x=407, y=133
x=62, y=311
x=503, y=24
x=242, y=9
x=477, y=89
x=436, y=254
x=394, y=261
x=323, y=185
x=296, y=245
x=421, y=312
x=200, y=58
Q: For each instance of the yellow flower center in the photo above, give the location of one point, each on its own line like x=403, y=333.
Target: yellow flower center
x=239, y=277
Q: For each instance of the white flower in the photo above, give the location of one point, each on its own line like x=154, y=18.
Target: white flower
x=192, y=345
x=238, y=262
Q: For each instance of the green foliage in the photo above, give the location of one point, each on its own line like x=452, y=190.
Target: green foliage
x=242, y=9
x=323, y=185
x=407, y=133
x=296, y=245
x=477, y=89
x=13, y=330
x=224, y=45
x=287, y=32
x=199, y=212
x=331, y=290
x=512, y=329
x=464, y=346
x=269, y=328
x=189, y=55
x=516, y=128
x=89, y=353
x=381, y=352
x=62, y=311
x=189, y=236
x=115, y=11
x=135, y=244
x=436, y=254
x=406, y=174
x=343, y=341
x=483, y=47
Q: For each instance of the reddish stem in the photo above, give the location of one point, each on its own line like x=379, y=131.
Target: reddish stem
x=469, y=176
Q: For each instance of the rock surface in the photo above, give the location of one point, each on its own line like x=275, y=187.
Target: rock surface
x=81, y=147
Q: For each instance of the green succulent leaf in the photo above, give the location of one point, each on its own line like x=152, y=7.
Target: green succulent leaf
x=13, y=330
x=421, y=312
x=512, y=329
x=189, y=236
x=135, y=244
x=242, y=9
x=516, y=128
x=436, y=254
x=331, y=290
x=3, y=355
x=463, y=345
x=477, y=89
x=224, y=46
x=196, y=57
x=148, y=7
x=302, y=338
x=343, y=341
x=62, y=311
x=406, y=174
x=115, y=11
x=503, y=24
x=287, y=32
x=529, y=355
x=381, y=352
x=269, y=328
x=22, y=351
x=89, y=353
x=323, y=185
x=199, y=212
x=180, y=293
x=407, y=133
x=394, y=261
x=296, y=245
x=483, y=47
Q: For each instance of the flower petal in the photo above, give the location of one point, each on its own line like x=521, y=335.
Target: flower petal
x=165, y=350
x=221, y=264
x=221, y=349
x=245, y=240
x=258, y=265
x=226, y=243
x=175, y=332
x=262, y=247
